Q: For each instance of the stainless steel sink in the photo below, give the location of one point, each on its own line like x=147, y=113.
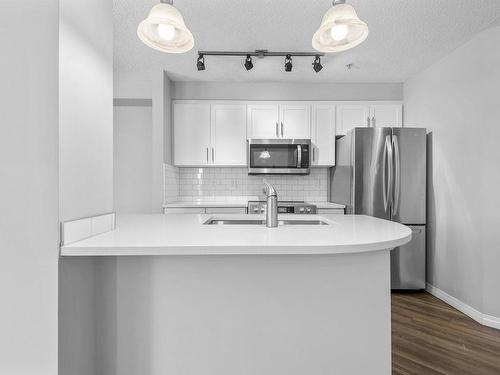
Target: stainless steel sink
x=216, y=221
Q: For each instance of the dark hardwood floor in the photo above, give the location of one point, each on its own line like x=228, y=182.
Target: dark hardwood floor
x=430, y=337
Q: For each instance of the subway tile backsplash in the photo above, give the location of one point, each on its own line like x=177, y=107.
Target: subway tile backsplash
x=212, y=183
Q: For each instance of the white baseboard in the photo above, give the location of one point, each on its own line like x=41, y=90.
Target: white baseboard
x=478, y=316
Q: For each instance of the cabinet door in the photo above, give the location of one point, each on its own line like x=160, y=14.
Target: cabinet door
x=229, y=134
x=191, y=134
x=351, y=116
x=323, y=135
x=262, y=121
x=295, y=121
x=386, y=115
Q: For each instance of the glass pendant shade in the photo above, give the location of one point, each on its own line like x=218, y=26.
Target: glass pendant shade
x=340, y=30
x=165, y=30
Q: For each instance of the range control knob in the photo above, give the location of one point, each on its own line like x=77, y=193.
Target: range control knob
x=255, y=209
x=301, y=209
x=308, y=210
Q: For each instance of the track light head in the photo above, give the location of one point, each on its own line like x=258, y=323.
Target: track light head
x=200, y=64
x=248, y=63
x=288, y=63
x=317, y=64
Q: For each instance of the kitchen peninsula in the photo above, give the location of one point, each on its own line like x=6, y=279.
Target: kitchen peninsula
x=247, y=299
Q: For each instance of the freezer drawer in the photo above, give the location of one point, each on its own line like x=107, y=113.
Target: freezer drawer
x=408, y=262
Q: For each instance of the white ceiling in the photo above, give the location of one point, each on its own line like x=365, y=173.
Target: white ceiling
x=405, y=37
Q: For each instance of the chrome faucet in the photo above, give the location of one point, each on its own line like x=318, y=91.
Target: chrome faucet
x=272, y=205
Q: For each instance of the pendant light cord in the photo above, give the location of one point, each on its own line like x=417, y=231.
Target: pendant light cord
x=171, y=2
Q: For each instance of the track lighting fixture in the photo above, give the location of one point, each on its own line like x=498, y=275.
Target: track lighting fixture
x=248, y=63
x=317, y=64
x=288, y=63
x=200, y=62
x=164, y=29
x=260, y=54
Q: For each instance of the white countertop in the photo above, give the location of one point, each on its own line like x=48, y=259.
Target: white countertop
x=173, y=234
x=237, y=203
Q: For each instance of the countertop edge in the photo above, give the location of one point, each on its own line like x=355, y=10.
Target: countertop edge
x=99, y=251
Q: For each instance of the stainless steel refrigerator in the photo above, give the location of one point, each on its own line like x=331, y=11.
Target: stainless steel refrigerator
x=381, y=172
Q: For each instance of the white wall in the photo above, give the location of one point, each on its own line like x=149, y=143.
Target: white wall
x=86, y=172
x=286, y=91
x=457, y=100
x=86, y=107
x=132, y=159
x=29, y=232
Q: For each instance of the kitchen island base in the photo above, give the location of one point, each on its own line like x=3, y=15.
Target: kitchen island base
x=240, y=314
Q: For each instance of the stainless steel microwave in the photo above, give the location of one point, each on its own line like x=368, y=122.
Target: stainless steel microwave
x=279, y=156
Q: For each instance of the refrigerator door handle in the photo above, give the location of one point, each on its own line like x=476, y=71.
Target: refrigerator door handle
x=397, y=179
x=387, y=181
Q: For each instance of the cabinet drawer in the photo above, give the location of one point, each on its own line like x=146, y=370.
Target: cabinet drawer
x=335, y=211
x=184, y=210
x=226, y=210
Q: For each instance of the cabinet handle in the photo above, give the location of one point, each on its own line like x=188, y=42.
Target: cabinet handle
x=277, y=129
x=207, y=155
x=213, y=157
x=373, y=122
x=314, y=153
x=368, y=121
x=282, y=129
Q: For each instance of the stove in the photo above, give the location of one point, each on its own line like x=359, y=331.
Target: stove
x=284, y=207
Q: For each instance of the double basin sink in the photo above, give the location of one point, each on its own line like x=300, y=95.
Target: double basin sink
x=225, y=221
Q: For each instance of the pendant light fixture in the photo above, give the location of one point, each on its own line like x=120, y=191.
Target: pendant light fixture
x=164, y=29
x=340, y=30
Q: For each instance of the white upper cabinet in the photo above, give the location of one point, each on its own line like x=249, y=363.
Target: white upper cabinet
x=214, y=133
x=287, y=120
x=191, y=134
x=386, y=115
x=263, y=120
x=295, y=121
x=209, y=134
x=352, y=115
x=323, y=135
x=368, y=114
x=228, y=134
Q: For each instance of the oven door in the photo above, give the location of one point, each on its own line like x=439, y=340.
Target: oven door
x=279, y=156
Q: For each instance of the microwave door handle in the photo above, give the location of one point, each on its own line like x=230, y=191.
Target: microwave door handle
x=299, y=156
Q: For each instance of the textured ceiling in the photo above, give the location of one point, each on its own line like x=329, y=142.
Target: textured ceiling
x=405, y=37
